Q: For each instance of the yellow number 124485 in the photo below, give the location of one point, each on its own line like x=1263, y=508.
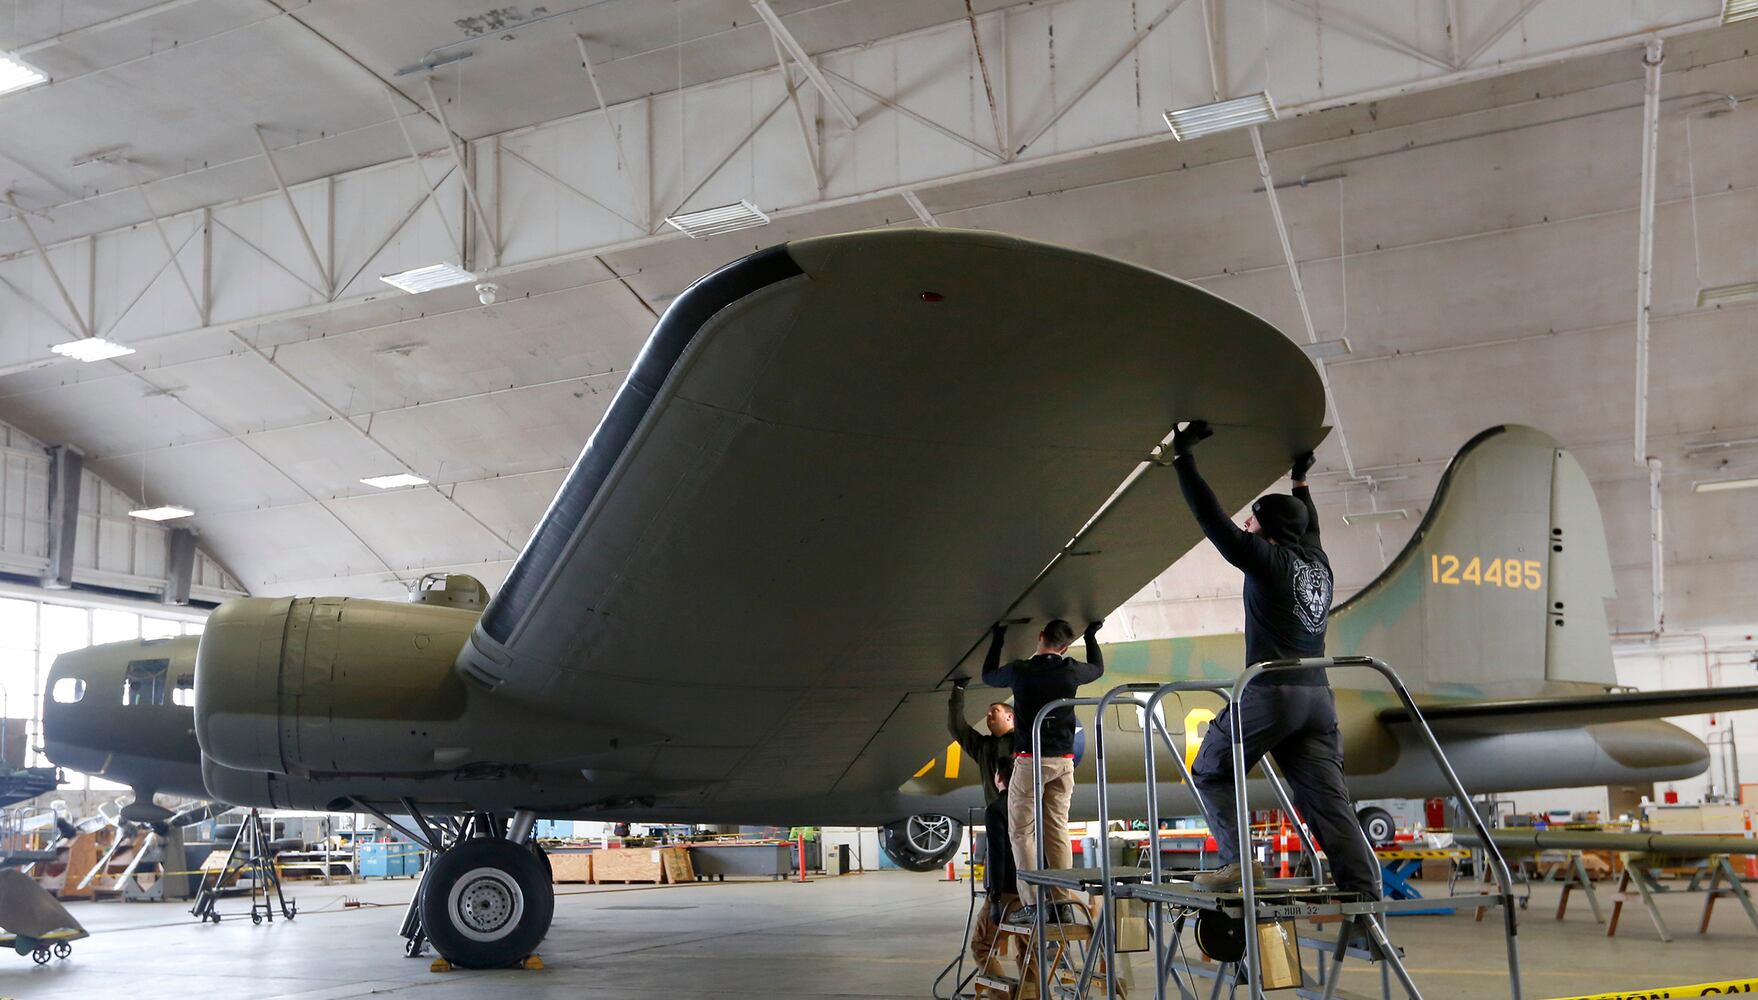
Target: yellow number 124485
x=1479, y=572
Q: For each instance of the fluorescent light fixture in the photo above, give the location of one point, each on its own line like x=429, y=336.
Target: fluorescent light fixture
x=1376, y=516
x=391, y=482
x=425, y=279
x=1717, y=485
x=1727, y=293
x=1738, y=10
x=1206, y=119
x=89, y=349
x=167, y=512
x=15, y=75
x=714, y=221
x=1325, y=350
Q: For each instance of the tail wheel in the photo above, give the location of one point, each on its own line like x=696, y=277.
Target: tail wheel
x=1379, y=826
x=921, y=843
x=486, y=903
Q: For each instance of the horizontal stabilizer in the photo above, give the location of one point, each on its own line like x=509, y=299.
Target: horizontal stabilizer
x=1520, y=715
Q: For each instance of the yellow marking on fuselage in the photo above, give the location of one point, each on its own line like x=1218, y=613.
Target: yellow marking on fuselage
x=953, y=756
x=929, y=766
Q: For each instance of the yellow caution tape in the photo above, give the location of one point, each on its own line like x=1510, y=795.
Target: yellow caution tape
x=1723, y=987
x=1433, y=853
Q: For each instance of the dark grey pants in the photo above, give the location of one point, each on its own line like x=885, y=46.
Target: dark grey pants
x=1297, y=725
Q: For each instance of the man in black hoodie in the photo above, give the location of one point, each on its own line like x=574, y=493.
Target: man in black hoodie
x=1290, y=714
x=1047, y=676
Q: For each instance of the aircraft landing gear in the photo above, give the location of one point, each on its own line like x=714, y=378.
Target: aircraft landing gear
x=921, y=843
x=486, y=901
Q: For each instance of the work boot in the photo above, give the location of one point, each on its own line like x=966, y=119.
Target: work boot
x=1227, y=878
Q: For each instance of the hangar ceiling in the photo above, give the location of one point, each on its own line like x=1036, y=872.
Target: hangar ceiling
x=1474, y=239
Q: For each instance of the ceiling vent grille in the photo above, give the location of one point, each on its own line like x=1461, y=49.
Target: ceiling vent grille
x=714, y=221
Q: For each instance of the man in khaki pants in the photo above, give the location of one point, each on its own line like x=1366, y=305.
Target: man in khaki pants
x=1048, y=675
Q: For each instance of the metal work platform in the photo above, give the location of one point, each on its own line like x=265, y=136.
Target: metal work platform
x=1220, y=920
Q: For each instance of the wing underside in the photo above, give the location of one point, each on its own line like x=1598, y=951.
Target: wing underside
x=836, y=462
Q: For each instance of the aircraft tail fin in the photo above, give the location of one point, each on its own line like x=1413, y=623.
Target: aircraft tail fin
x=1503, y=586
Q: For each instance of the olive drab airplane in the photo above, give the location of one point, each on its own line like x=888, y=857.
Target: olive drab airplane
x=832, y=466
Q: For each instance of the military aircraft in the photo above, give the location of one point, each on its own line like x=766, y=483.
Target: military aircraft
x=832, y=466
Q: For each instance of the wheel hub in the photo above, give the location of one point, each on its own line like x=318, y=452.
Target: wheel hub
x=486, y=904
x=929, y=834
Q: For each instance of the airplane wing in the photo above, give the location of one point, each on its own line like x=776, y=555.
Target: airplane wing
x=1489, y=718
x=837, y=461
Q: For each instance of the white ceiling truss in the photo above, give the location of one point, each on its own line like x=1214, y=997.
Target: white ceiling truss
x=990, y=102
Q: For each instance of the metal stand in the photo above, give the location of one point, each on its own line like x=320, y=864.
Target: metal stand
x=249, y=858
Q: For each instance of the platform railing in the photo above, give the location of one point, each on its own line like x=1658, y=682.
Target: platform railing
x=1243, y=815
x=1105, y=929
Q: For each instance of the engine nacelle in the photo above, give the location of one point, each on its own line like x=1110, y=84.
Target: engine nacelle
x=303, y=686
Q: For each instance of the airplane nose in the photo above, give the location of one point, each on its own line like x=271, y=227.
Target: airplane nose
x=1653, y=746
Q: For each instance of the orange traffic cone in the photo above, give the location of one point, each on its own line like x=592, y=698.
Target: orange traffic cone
x=1751, y=859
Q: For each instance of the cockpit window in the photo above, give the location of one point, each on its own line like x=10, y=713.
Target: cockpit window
x=184, y=693
x=67, y=691
x=144, y=683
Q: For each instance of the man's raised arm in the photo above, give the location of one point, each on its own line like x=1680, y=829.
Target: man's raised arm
x=1297, y=474
x=994, y=674
x=1236, y=545
x=1094, y=667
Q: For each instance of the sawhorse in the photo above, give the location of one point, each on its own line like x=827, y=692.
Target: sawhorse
x=1576, y=878
x=1638, y=873
x=1720, y=870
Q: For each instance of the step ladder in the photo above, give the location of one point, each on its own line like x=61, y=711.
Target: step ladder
x=1224, y=916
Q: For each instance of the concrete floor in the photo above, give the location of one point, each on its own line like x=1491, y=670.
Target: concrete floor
x=873, y=935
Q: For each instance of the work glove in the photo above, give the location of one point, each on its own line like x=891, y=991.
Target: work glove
x=1302, y=465
x=961, y=682
x=1094, y=627
x=1185, y=439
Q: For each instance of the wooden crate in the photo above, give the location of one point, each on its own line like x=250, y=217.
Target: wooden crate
x=572, y=866
x=628, y=864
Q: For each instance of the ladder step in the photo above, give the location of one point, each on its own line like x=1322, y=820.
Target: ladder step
x=1052, y=932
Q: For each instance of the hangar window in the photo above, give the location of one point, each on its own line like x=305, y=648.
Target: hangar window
x=67, y=690
x=184, y=693
x=144, y=683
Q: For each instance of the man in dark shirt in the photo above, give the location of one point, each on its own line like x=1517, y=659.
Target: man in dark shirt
x=993, y=755
x=1047, y=676
x=1290, y=714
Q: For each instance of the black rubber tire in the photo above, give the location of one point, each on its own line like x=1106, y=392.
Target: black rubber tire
x=543, y=857
x=1379, y=826
x=63, y=949
x=506, y=889
x=1221, y=937
x=895, y=841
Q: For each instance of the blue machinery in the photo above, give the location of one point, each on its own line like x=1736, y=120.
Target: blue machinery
x=1172, y=901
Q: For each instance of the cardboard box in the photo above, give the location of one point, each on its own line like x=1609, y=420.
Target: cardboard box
x=1278, y=955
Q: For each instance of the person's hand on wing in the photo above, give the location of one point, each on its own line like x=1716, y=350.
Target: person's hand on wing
x=1186, y=437
x=961, y=682
x=1094, y=627
x=1302, y=465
